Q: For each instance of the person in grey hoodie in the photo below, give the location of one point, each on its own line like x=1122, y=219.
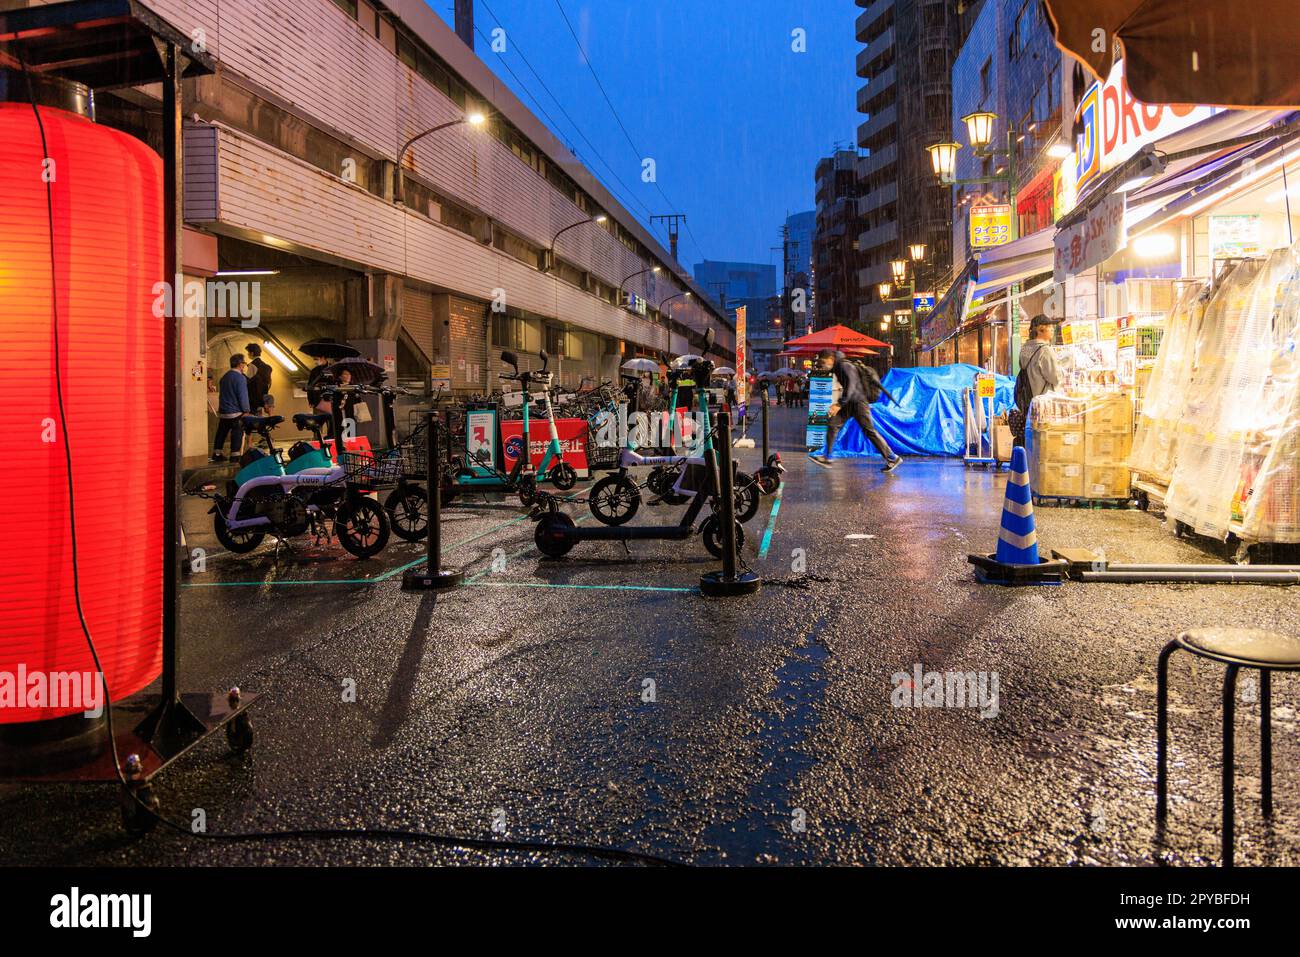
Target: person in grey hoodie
x=1038, y=358
x=1038, y=363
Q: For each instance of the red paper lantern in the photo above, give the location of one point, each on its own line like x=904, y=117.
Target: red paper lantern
x=108, y=255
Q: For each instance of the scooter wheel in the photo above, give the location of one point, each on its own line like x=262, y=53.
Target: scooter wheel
x=362, y=527
x=768, y=479
x=552, y=535
x=528, y=491
x=747, y=497
x=241, y=542
x=564, y=476
x=408, y=513
x=711, y=531
x=614, y=500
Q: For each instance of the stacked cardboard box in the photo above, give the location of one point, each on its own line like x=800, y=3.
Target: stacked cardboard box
x=1080, y=446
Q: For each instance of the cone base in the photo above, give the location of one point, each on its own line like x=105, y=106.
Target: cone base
x=990, y=571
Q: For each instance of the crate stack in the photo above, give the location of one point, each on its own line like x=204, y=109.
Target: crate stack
x=1079, y=447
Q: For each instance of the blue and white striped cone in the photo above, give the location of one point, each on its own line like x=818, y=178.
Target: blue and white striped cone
x=1017, y=540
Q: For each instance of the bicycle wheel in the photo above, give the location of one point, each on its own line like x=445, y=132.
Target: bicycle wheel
x=614, y=500
x=362, y=527
x=408, y=513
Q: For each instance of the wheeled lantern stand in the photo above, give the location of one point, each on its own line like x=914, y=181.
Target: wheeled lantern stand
x=433, y=577
x=109, y=44
x=726, y=583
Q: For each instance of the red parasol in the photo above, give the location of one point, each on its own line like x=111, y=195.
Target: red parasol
x=835, y=337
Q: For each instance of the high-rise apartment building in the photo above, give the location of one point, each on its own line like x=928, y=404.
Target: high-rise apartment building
x=835, y=244
x=906, y=61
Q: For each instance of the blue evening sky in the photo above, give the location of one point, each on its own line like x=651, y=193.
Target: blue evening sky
x=710, y=89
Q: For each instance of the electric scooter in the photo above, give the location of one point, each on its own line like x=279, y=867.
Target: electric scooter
x=309, y=491
x=480, y=472
x=616, y=498
x=556, y=533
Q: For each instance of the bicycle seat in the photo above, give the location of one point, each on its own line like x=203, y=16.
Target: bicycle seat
x=259, y=422
x=303, y=421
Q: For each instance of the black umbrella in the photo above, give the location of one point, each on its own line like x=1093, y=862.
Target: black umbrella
x=329, y=349
x=364, y=372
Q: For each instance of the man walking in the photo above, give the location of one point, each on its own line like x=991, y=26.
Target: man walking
x=232, y=409
x=850, y=398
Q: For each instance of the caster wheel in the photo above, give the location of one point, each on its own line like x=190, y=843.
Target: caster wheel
x=137, y=819
x=239, y=733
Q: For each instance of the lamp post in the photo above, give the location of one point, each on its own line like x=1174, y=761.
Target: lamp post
x=474, y=119
x=898, y=268
x=549, y=263
x=626, y=279
x=979, y=130
x=680, y=295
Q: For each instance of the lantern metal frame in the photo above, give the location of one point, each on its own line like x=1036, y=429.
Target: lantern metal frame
x=106, y=45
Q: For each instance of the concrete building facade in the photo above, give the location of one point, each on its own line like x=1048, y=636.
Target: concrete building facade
x=292, y=152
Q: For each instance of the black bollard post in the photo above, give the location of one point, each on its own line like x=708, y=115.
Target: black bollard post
x=433, y=577
x=765, y=451
x=727, y=583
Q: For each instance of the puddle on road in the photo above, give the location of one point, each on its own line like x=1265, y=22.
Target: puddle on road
x=768, y=827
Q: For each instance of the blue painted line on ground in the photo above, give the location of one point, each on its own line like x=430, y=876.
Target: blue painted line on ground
x=358, y=581
x=646, y=588
x=771, y=522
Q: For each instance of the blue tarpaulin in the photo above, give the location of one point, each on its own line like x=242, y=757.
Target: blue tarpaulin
x=929, y=419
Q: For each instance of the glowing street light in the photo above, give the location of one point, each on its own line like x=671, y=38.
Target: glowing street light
x=979, y=128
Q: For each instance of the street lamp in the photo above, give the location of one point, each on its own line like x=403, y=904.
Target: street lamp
x=884, y=289
x=943, y=158
x=652, y=269
x=979, y=129
x=899, y=268
x=679, y=295
x=474, y=119
x=549, y=264
x=918, y=252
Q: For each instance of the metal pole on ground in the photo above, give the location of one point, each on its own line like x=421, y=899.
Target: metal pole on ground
x=433, y=577
x=765, y=441
x=726, y=583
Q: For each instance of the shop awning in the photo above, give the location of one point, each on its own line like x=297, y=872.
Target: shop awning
x=1025, y=257
x=944, y=320
x=1189, y=51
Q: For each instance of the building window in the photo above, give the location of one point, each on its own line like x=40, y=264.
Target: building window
x=347, y=6
x=986, y=75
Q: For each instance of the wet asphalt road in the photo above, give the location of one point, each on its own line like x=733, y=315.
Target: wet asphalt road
x=599, y=699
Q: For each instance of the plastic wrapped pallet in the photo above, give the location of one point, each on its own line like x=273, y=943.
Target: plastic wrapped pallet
x=1224, y=437
x=1267, y=501
x=1165, y=392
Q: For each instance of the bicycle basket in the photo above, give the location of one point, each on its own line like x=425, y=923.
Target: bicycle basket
x=601, y=457
x=363, y=468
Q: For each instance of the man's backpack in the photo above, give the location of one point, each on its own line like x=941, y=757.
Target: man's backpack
x=1024, y=393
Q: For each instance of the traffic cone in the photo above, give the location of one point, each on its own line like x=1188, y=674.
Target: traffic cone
x=1018, y=540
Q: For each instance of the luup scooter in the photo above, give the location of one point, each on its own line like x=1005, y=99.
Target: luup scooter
x=480, y=473
x=556, y=533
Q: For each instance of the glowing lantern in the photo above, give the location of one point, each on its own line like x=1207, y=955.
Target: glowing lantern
x=107, y=195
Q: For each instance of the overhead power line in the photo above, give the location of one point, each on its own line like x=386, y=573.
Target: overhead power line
x=627, y=192
x=619, y=119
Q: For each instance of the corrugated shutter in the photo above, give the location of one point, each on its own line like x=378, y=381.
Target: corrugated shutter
x=468, y=335
x=417, y=319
